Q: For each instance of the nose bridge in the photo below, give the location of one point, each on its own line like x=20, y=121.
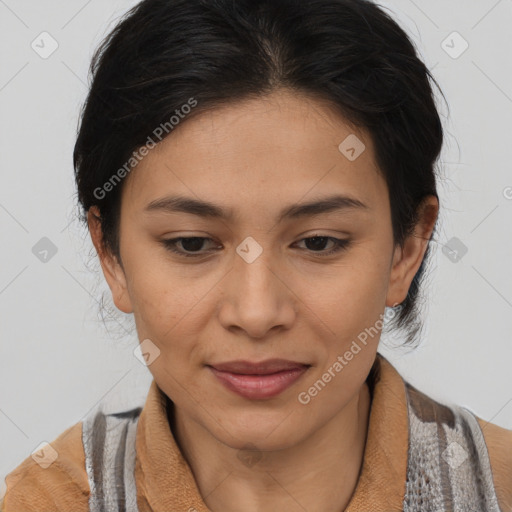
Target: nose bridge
x=257, y=298
x=253, y=272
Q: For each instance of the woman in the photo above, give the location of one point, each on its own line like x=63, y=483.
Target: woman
x=258, y=179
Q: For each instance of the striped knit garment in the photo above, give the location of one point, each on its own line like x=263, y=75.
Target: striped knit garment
x=448, y=467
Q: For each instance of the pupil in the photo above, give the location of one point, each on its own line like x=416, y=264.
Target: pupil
x=194, y=244
x=314, y=241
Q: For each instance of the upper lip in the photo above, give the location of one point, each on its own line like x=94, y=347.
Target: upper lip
x=258, y=368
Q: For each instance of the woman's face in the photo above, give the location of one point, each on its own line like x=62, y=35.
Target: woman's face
x=261, y=286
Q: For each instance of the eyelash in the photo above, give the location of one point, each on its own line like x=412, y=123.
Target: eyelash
x=170, y=244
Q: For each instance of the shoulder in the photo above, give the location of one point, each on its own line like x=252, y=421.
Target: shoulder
x=54, y=478
x=499, y=446
x=498, y=440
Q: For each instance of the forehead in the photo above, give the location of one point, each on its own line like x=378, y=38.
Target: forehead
x=259, y=151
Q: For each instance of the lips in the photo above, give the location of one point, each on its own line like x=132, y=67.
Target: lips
x=262, y=368
x=258, y=380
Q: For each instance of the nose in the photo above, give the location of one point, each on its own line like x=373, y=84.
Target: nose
x=256, y=298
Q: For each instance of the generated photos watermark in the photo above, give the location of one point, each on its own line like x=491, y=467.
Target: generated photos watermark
x=158, y=134
x=342, y=361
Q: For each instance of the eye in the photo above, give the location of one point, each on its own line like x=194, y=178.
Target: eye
x=190, y=247
x=316, y=244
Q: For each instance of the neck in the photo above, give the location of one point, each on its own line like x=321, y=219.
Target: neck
x=319, y=474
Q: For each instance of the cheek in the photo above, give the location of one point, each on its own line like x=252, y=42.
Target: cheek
x=168, y=309
x=152, y=284
x=158, y=305
x=355, y=300
x=165, y=312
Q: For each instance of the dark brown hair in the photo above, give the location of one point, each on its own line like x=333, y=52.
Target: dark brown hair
x=348, y=52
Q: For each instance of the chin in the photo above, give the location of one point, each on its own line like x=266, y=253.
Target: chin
x=254, y=441
x=277, y=432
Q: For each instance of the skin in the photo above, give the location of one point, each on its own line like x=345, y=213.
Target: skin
x=256, y=157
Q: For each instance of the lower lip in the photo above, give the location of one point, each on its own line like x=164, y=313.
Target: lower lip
x=259, y=387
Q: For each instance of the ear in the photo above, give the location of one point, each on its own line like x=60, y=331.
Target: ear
x=112, y=270
x=407, y=259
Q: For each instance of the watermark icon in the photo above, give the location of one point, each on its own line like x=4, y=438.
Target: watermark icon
x=44, y=45
x=352, y=147
x=249, y=455
x=305, y=397
x=249, y=249
x=158, y=133
x=147, y=352
x=454, y=249
x=45, y=455
x=507, y=192
x=454, y=455
x=44, y=250
x=454, y=45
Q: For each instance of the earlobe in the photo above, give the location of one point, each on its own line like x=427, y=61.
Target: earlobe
x=112, y=270
x=407, y=259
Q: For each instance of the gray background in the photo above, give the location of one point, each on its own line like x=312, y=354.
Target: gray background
x=58, y=359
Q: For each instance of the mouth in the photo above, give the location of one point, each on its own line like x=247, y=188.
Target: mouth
x=258, y=380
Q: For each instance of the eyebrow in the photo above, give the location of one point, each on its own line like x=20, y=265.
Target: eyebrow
x=174, y=204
